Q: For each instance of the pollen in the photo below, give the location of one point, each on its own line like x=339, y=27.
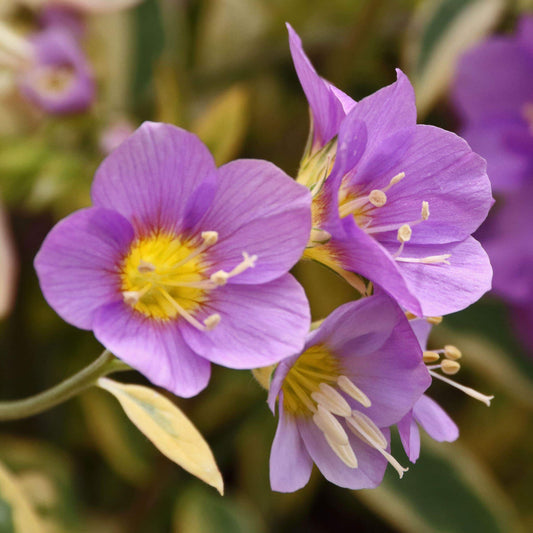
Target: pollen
x=159, y=270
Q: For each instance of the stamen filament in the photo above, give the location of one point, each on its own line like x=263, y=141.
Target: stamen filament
x=467, y=390
x=429, y=260
x=187, y=316
x=353, y=391
x=209, y=237
x=359, y=426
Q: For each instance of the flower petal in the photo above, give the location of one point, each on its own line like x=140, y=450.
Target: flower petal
x=79, y=263
x=435, y=421
x=290, y=464
x=494, y=78
x=444, y=289
x=410, y=436
x=151, y=176
x=156, y=349
x=327, y=105
x=371, y=467
x=386, y=111
x=260, y=325
x=439, y=168
x=257, y=209
x=422, y=329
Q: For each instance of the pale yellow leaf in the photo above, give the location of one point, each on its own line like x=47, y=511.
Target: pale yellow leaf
x=475, y=20
x=23, y=516
x=172, y=433
x=223, y=125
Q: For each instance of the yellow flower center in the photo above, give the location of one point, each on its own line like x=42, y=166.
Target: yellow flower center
x=315, y=366
x=160, y=274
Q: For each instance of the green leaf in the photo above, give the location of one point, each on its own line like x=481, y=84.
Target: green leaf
x=447, y=490
x=16, y=514
x=440, y=33
x=223, y=125
x=172, y=433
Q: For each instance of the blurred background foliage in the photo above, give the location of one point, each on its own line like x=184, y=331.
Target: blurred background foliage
x=222, y=69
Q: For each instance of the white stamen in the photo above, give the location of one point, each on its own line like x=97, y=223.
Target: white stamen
x=145, y=266
x=430, y=357
x=219, y=278
x=187, y=316
x=364, y=428
x=429, y=260
x=209, y=237
x=425, y=211
x=212, y=321
x=434, y=320
x=377, y=198
x=353, y=391
x=404, y=233
x=452, y=352
x=329, y=398
x=133, y=297
x=368, y=428
x=467, y=390
x=450, y=367
x=319, y=236
x=330, y=425
x=343, y=452
x=396, y=179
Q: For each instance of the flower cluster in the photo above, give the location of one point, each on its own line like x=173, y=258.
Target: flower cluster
x=493, y=94
x=179, y=264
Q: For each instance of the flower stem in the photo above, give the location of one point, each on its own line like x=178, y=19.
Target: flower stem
x=84, y=379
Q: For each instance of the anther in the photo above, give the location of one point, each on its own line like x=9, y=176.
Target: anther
x=330, y=425
x=366, y=427
x=344, y=452
x=425, y=210
x=410, y=316
x=434, y=320
x=396, y=179
x=219, y=278
x=450, y=367
x=209, y=237
x=404, y=233
x=430, y=357
x=353, y=391
x=131, y=297
x=377, y=198
x=331, y=400
x=429, y=260
x=212, y=321
x=145, y=266
x=452, y=352
x=319, y=236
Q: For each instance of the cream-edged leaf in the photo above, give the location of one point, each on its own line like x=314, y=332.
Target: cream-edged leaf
x=171, y=432
x=18, y=516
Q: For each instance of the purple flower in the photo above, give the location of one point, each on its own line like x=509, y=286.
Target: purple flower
x=426, y=412
x=394, y=202
x=57, y=78
x=358, y=374
x=493, y=94
x=179, y=264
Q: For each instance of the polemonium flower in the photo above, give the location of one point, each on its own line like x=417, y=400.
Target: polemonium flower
x=180, y=263
x=50, y=68
x=426, y=412
x=360, y=372
x=394, y=202
x=493, y=94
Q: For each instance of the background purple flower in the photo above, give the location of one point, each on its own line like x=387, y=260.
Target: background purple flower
x=59, y=79
x=359, y=373
x=179, y=264
x=400, y=200
x=493, y=94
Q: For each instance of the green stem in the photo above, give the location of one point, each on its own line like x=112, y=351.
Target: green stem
x=84, y=379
